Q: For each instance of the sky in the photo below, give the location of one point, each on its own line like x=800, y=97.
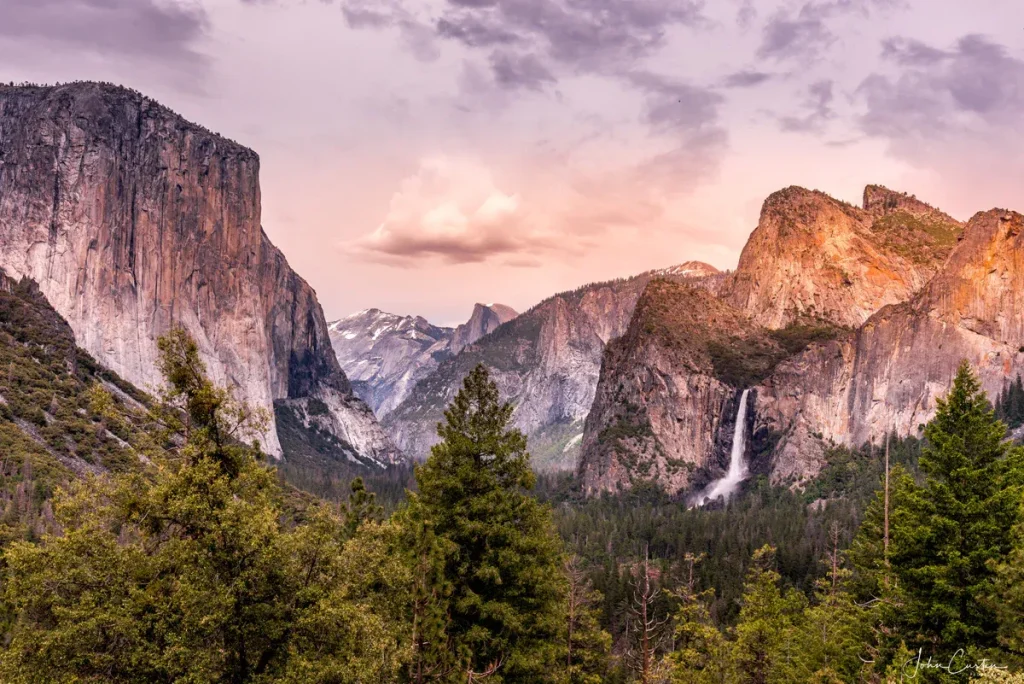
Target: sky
x=419, y=156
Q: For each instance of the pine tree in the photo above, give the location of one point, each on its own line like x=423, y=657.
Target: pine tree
x=834, y=630
x=425, y=553
x=765, y=645
x=960, y=522
x=504, y=567
x=587, y=646
x=187, y=573
x=362, y=507
x=700, y=654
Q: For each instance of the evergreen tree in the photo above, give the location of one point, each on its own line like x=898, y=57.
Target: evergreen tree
x=504, y=566
x=700, y=654
x=425, y=553
x=959, y=523
x=587, y=645
x=362, y=507
x=188, y=574
x=647, y=630
x=834, y=630
x=766, y=644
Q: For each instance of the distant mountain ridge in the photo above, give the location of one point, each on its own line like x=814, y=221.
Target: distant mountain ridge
x=546, y=362
x=385, y=355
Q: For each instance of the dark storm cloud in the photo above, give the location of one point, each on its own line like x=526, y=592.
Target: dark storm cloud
x=143, y=28
x=589, y=35
x=934, y=89
x=746, y=79
x=817, y=104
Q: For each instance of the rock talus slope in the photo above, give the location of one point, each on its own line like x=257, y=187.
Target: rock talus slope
x=133, y=220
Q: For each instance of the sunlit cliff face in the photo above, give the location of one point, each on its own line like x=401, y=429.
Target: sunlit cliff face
x=421, y=155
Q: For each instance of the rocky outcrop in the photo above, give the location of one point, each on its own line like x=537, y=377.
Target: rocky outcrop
x=888, y=374
x=546, y=362
x=815, y=259
x=485, y=319
x=662, y=407
x=385, y=355
x=845, y=321
x=133, y=220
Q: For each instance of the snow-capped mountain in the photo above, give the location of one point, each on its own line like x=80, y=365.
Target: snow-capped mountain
x=385, y=354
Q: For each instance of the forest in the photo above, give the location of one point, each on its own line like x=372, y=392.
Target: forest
x=902, y=561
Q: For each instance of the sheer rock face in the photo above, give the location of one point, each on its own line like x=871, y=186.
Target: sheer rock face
x=904, y=293
x=661, y=411
x=546, y=362
x=888, y=374
x=814, y=258
x=385, y=355
x=133, y=220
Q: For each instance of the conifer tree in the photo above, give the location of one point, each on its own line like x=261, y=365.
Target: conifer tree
x=504, y=564
x=700, y=654
x=587, y=645
x=834, y=630
x=187, y=573
x=425, y=553
x=362, y=507
x=765, y=645
x=958, y=523
x=646, y=629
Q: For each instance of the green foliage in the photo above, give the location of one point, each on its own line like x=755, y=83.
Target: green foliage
x=192, y=576
x=765, y=637
x=61, y=414
x=1009, y=406
x=960, y=520
x=924, y=239
x=587, y=646
x=504, y=567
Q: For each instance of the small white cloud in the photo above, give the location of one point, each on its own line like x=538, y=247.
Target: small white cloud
x=453, y=210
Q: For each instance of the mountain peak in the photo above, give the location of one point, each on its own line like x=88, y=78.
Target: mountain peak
x=689, y=269
x=813, y=258
x=881, y=201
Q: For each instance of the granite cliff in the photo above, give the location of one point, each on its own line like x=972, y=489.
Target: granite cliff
x=888, y=374
x=385, y=355
x=844, y=321
x=545, y=361
x=815, y=259
x=133, y=220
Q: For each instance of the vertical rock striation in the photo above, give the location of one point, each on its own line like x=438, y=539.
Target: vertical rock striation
x=133, y=220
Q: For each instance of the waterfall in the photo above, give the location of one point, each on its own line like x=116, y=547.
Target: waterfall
x=738, y=471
